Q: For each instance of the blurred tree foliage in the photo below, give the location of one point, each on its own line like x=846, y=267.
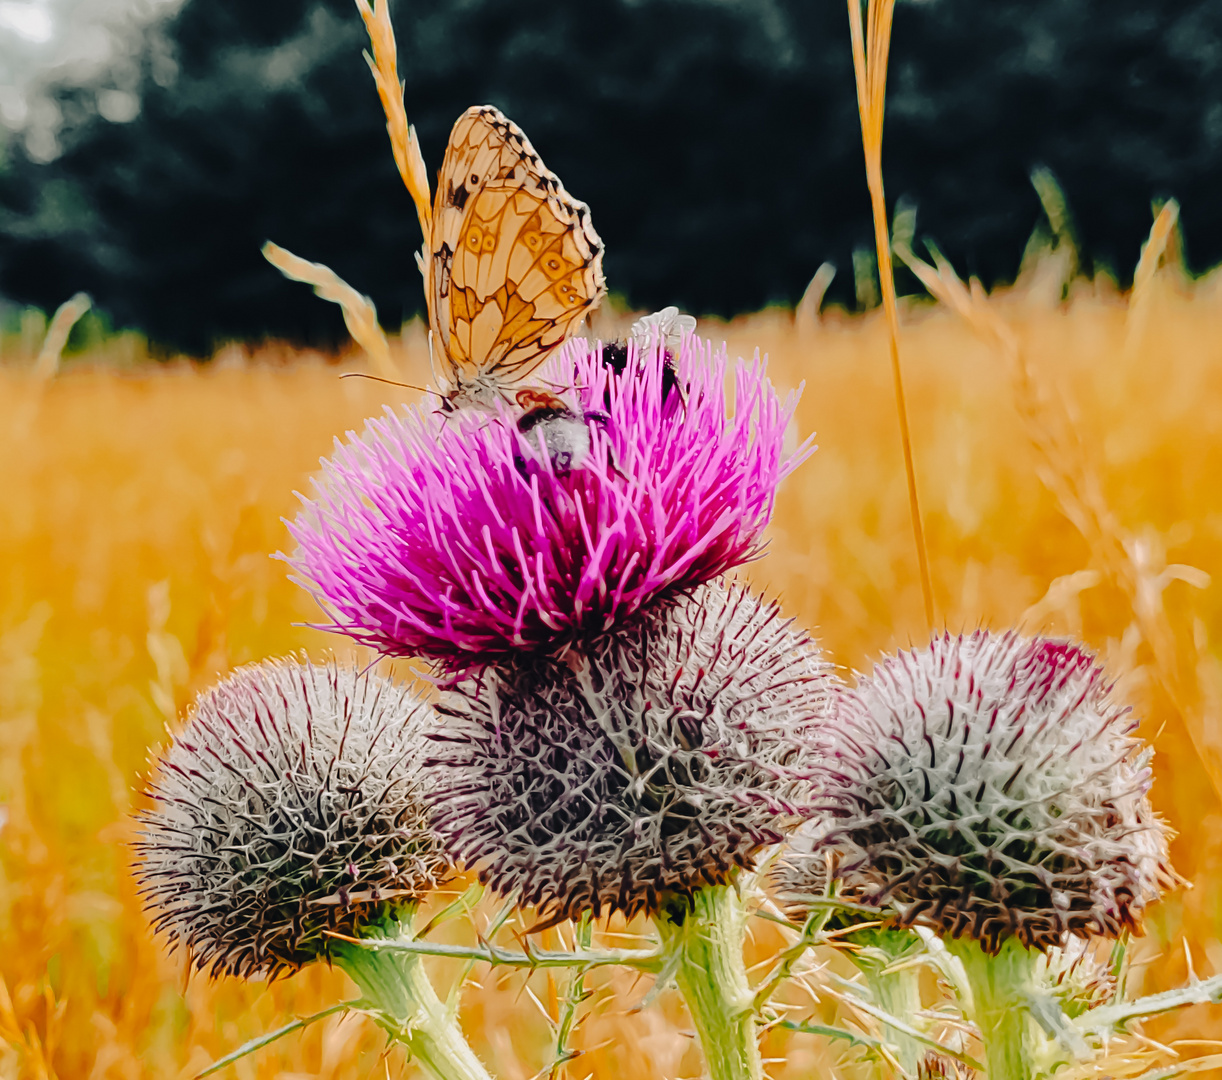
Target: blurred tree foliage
x=715, y=140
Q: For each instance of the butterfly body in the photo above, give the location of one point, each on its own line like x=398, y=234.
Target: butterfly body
x=513, y=263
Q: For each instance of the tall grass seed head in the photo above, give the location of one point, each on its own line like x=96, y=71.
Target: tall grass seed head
x=290, y=805
x=987, y=786
x=465, y=539
x=656, y=760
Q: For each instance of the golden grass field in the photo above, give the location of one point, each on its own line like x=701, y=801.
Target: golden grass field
x=1071, y=482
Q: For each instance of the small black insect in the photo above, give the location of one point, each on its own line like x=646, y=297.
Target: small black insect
x=615, y=356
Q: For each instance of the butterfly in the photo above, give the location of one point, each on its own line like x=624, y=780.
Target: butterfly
x=512, y=263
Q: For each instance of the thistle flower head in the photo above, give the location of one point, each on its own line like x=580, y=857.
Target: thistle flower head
x=987, y=786
x=289, y=805
x=657, y=760
x=466, y=538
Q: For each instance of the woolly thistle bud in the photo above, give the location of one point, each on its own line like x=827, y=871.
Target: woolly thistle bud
x=987, y=786
x=289, y=805
x=656, y=760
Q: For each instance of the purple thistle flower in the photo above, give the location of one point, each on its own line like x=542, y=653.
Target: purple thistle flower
x=988, y=787
x=467, y=537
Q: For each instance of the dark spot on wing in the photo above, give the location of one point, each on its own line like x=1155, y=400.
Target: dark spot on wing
x=444, y=257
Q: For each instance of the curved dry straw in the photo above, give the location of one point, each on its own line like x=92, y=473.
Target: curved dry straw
x=360, y=315
x=870, y=48
x=1133, y=563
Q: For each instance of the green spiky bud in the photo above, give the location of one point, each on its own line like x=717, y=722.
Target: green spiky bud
x=1077, y=975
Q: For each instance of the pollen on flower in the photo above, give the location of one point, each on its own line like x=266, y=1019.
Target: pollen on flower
x=466, y=539
x=290, y=805
x=986, y=786
x=657, y=760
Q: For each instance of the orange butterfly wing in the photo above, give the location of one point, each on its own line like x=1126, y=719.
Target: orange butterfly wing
x=514, y=261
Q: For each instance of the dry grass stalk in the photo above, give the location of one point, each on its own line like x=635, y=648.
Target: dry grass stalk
x=1134, y=564
x=1130, y=1060
x=406, y=147
x=62, y=322
x=360, y=316
x=871, y=46
x=806, y=314
x=1153, y=251
x=1056, y=208
x=36, y=1056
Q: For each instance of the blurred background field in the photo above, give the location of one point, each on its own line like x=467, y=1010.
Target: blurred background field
x=142, y=500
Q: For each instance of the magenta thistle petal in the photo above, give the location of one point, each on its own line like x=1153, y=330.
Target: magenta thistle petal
x=461, y=539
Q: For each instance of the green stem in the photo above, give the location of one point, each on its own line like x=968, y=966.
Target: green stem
x=528, y=957
x=1002, y=988
x=895, y=992
x=409, y=1009
x=703, y=937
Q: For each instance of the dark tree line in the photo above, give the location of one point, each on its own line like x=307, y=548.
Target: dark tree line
x=715, y=140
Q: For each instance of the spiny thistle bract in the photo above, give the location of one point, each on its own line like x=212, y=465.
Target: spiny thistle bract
x=986, y=786
x=290, y=805
x=458, y=538
x=935, y=1066
x=1078, y=976
x=657, y=760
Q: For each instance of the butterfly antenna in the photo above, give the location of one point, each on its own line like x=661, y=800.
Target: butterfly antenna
x=389, y=382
